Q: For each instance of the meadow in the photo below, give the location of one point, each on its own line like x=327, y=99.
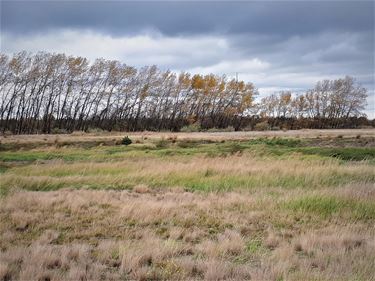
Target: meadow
x=293, y=205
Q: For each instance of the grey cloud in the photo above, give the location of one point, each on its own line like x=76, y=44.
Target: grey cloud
x=296, y=43
x=172, y=18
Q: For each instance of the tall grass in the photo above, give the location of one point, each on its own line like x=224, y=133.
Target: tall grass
x=328, y=206
x=193, y=172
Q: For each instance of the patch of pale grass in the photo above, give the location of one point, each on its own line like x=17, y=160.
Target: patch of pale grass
x=229, y=243
x=215, y=136
x=364, y=192
x=141, y=188
x=97, y=234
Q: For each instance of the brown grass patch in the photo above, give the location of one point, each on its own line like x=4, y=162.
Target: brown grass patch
x=92, y=235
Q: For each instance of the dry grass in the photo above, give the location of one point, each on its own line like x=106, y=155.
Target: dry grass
x=109, y=235
x=188, y=211
x=214, y=136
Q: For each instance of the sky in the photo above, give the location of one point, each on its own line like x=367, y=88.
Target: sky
x=277, y=45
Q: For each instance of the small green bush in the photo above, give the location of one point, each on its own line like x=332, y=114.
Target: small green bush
x=126, y=141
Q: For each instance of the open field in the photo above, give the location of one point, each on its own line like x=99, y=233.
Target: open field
x=239, y=205
x=108, y=137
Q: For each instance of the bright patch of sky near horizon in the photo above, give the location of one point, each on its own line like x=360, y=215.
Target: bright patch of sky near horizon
x=277, y=45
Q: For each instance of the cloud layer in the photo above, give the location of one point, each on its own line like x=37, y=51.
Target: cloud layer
x=276, y=45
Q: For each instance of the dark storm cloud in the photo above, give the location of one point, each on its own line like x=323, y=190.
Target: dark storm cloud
x=275, y=44
x=177, y=18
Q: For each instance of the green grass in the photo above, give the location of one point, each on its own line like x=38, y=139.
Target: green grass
x=255, y=246
x=3, y=168
x=343, y=153
x=329, y=206
x=285, y=142
x=17, y=168
x=276, y=147
x=127, y=175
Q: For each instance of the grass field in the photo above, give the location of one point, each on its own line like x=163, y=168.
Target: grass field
x=239, y=205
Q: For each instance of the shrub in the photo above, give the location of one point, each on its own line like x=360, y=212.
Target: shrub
x=262, y=126
x=126, y=141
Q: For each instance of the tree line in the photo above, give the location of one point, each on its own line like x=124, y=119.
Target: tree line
x=45, y=93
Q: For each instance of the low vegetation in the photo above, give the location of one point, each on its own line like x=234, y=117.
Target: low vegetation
x=126, y=141
x=212, y=207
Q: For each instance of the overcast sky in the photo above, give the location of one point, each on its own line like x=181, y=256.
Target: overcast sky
x=274, y=44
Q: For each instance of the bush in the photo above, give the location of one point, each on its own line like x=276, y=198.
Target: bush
x=126, y=141
x=262, y=126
